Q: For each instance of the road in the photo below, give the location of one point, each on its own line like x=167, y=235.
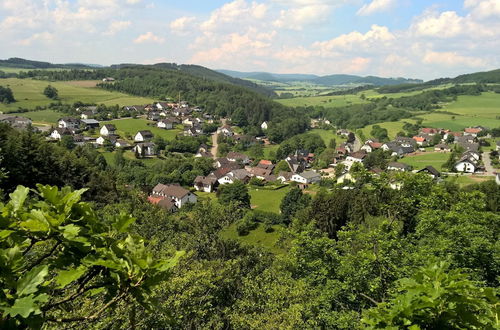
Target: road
x=357, y=144
x=215, y=136
x=488, y=169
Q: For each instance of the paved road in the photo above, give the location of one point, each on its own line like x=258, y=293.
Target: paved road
x=215, y=145
x=489, y=170
x=357, y=144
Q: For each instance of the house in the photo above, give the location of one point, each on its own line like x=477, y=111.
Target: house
x=395, y=166
x=224, y=162
x=178, y=195
x=469, y=146
x=108, y=79
x=122, y=144
x=68, y=122
x=203, y=154
x=306, y=177
x=371, y=146
x=429, y=131
x=285, y=176
x=430, y=171
x=191, y=131
x=165, y=123
x=472, y=131
x=225, y=130
x=153, y=115
x=90, y=123
x=203, y=148
x=236, y=156
x=398, y=149
x=16, y=121
x=58, y=132
x=343, y=132
x=235, y=175
x=295, y=164
x=205, y=183
x=258, y=172
x=111, y=138
x=405, y=141
x=78, y=140
x=421, y=141
x=161, y=105
x=87, y=114
x=442, y=147
x=266, y=164
x=263, y=126
x=107, y=129
x=466, y=165
x=345, y=178
x=147, y=149
x=498, y=146
x=143, y=136
x=356, y=157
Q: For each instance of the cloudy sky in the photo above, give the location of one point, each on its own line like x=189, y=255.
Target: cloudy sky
x=412, y=38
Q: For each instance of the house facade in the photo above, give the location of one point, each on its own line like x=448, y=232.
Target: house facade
x=178, y=195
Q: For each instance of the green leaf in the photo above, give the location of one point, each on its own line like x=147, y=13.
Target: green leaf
x=123, y=222
x=65, y=277
x=71, y=199
x=26, y=305
x=18, y=197
x=70, y=231
x=36, y=222
x=29, y=282
x=49, y=193
x=167, y=264
x=5, y=233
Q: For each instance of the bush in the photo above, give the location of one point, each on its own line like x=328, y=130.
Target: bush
x=245, y=225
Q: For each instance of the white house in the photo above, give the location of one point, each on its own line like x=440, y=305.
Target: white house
x=122, y=144
x=205, y=183
x=466, y=166
x=177, y=194
x=395, y=166
x=264, y=126
x=107, y=129
x=356, y=157
x=58, y=133
x=143, y=136
x=165, y=123
x=147, y=149
x=236, y=156
x=68, y=122
x=306, y=177
x=235, y=175
x=226, y=130
x=345, y=178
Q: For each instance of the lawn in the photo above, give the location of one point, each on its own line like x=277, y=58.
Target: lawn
x=127, y=128
x=43, y=116
x=419, y=161
x=29, y=94
x=327, y=135
x=267, y=200
x=257, y=237
x=270, y=147
x=465, y=180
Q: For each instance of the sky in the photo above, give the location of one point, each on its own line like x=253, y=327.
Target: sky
x=423, y=39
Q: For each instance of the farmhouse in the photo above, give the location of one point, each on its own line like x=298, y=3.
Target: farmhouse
x=178, y=195
x=108, y=129
x=165, y=123
x=58, y=133
x=430, y=171
x=15, y=121
x=371, y=146
x=68, y=122
x=472, y=131
x=236, y=156
x=205, y=183
x=442, y=147
x=122, y=144
x=235, y=175
x=306, y=177
x=111, y=138
x=145, y=149
x=143, y=136
x=395, y=166
x=356, y=157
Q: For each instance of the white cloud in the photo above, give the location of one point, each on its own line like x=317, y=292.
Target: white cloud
x=182, y=25
x=236, y=11
x=452, y=59
x=376, y=6
x=297, y=18
x=483, y=8
x=117, y=26
x=445, y=25
x=44, y=37
x=149, y=37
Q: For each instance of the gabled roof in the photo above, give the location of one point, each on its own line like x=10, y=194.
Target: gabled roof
x=398, y=165
x=358, y=155
x=236, y=155
x=431, y=170
x=208, y=180
x=110, y=127
x=146, y=133
x=309, y=174
x=170, y=190
x=473, y=130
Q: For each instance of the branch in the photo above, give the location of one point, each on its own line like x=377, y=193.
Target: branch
x=46, y=255
x=92, y=317
x=32, y=243
x=371, y=299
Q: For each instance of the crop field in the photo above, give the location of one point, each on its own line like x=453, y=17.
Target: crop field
x=29, y=94
x=326, y=101
x=267, y=200
x=419, y=161
x=127, y=128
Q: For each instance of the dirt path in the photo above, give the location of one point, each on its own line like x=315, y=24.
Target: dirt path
x=488, y=169
x=215, y=145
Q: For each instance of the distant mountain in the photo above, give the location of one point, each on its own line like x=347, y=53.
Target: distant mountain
x=16, y=62
x=477, y=77
x=330, y=80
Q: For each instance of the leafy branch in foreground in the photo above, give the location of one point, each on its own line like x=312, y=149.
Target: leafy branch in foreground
x=55, y=253
x=436, y=299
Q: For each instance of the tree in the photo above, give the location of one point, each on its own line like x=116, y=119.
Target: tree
x=282, y=166
x=68, y=142
x=6, y=95
x=434, y=298
x=222, y=149
x=293, y=201
x=332, y=144
x=55, y=253
x=160, y=143
x=235, y=192
x=51, y=92
x=256, y=151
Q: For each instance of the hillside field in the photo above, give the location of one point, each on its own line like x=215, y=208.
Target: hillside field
x=127, y=128
x=29, y=94
x=421, y=160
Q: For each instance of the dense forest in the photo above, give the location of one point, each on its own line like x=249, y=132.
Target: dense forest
x=424, y=256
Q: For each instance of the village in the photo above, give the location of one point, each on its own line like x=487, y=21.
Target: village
x=301, y=168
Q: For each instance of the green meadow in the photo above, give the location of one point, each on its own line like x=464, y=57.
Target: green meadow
x=127, y=128
x=435, y=159
x=267, y=200
x=257, y=237
x=327, y=135
x=326, y=101
x=29, y=94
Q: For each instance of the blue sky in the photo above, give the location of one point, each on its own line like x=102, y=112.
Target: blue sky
x=411, y=38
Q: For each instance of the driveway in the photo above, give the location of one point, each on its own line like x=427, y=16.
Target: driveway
x=488, y=169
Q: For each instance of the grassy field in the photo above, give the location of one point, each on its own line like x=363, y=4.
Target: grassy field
x=110, y=157
x=127, y=128
x=393, y=127
x=465, y=180
x=43, y=116
x=270, y=147
x=327, y=135
x=257, y=237
x=435, y=159
x=29, y=94
x=267, y=200
x=326, y=101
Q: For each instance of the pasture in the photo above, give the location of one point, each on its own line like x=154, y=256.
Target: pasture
x=267, y=200
x=421, y=160
x=335, y=101
x=29, y=94
x=127, y=128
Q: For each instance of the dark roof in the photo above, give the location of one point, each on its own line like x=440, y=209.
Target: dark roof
x=431, y=170
x=170, y=190
x=309, y=174
x=398, y=165
x=167, y=204
x=236, y=155
x=209, y=180
x=110, y=127
x=146, y=133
